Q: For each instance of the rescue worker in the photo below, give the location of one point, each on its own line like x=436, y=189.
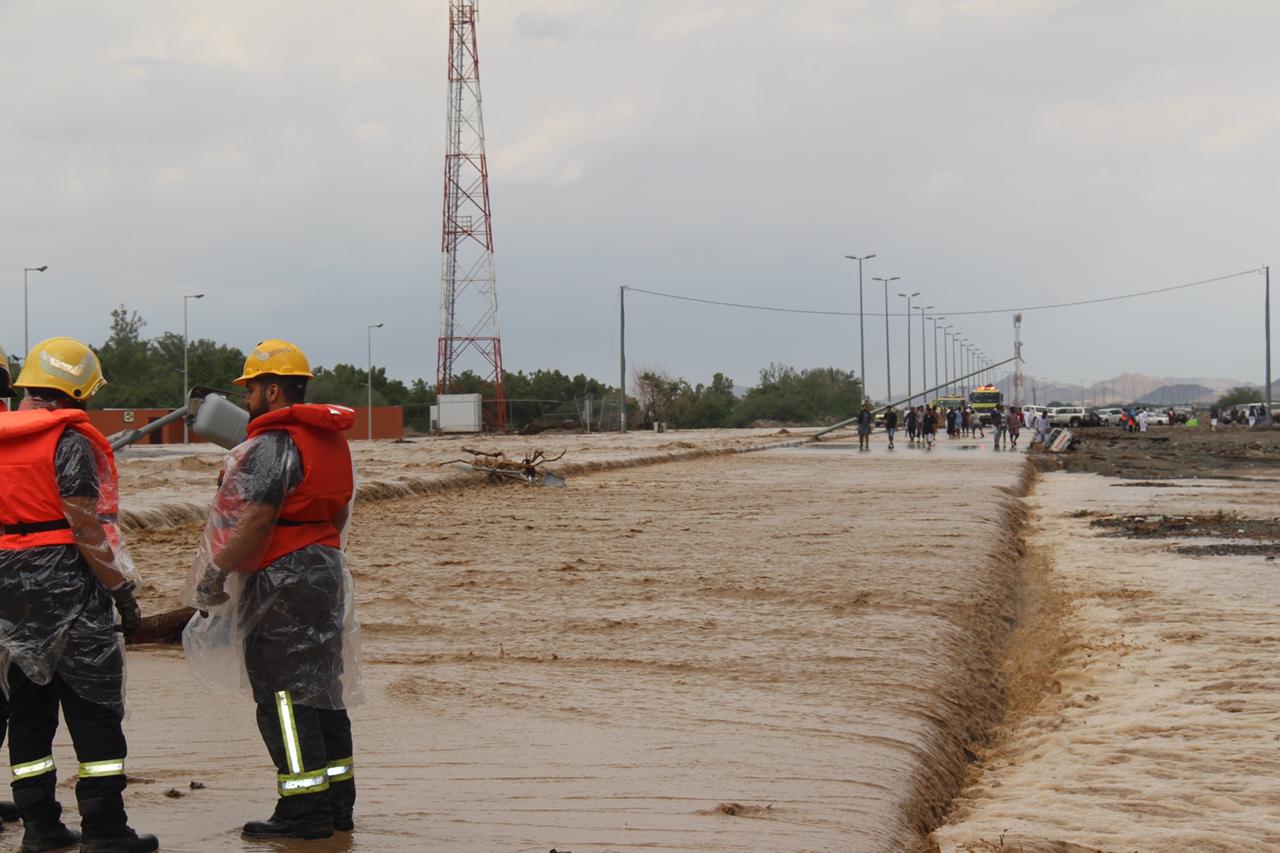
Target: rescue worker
x=271, y=567
x=8, y=811
x=64, y=575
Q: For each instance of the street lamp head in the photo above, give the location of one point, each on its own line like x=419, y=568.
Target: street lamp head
x=856, y=258
x=42, y=269
x=376, y=326
x=917, y=293
x=927, y=308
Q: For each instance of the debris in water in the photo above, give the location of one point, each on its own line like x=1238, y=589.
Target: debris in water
x=500, y=469
x=197, y=786
x=174, y=794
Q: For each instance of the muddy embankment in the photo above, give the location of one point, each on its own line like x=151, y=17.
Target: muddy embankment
x=1155, y=728
x=786, y=650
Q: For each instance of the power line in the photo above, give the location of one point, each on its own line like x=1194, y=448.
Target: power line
x=1094, y=301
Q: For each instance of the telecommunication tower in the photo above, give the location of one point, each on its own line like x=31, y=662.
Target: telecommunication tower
x=468, y=286
x=1018, y=393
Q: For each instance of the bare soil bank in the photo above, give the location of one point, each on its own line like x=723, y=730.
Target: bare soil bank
x=1156, y=731
x=771, y=651
x=1169, y=452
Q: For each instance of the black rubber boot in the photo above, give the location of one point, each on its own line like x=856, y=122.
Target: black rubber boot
x=106, y=828
x=43, y=828
x=129, y=842
x=299, y=816
x=342, y=796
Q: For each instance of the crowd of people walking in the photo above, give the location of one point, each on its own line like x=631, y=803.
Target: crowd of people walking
x=921, y=423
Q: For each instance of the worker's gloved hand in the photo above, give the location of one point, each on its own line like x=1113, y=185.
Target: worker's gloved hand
x=211, y=590
x=130, y=613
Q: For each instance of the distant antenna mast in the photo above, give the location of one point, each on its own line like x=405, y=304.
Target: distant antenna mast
x=468, y=286
x=1018, y=393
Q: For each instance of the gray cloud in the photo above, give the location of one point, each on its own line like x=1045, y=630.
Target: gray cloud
x=286, y=159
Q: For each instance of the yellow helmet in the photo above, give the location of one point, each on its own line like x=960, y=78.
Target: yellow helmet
x=64, y=364
x=275, y=357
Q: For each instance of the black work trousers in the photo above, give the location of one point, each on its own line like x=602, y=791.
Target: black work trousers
x=320, y=742
x=98, y=737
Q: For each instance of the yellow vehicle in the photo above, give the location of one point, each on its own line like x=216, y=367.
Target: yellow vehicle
x=984, y=400
x=947, y=401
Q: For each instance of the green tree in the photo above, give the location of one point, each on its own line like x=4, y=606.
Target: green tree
x=1240, y=394
x=816, y=396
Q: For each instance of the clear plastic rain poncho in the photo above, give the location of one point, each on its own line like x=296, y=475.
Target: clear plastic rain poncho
x=55, y=614
x=290, y=626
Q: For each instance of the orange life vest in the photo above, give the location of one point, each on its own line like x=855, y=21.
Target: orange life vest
x=327, y=481
x=31, y=512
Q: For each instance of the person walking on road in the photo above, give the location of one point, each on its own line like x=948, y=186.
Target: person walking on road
x=929, y=426
x=1013, y=423
x=271, y=574
x=1213, y=419
x=890, y=424
x=1143, y=419
x=998, y=426
x=864, y=427
x=65, y=575
x=911, y=421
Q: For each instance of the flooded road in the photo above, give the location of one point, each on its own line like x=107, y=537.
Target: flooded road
x=767, y=651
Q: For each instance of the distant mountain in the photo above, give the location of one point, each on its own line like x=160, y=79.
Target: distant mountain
x=1125, y=388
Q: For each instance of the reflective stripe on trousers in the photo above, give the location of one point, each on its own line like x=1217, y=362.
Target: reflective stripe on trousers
x=95, y=769
x=341, y=770
x=296, y=781
x=32, y=768
x=302, y=783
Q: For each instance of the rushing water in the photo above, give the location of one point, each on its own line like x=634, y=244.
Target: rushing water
x=777, y=651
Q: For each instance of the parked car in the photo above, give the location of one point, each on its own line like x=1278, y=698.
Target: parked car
x=1157, y=418
x=1030, y=413
x=1073, y=416
x=1110, y=416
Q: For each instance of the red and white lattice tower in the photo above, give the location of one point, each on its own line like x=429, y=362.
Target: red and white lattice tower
x=1018, y=395
x=468, y=287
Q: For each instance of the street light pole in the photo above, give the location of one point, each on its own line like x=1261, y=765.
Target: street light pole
x=909, y=297
x=937, y=378
x=888, y=367
x=862, y=332
x=26, y=334
x=369, y=408
x=186, y=384
x=924, y=354
x=946, y=353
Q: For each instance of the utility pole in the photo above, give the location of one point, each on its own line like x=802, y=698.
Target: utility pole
x=946, y=354
x=888, y=371
x=908, y=297
x=924, y=365
x=369, y=408
x=862, y=332
x=186, y=428
x=937, y=377
x=1267, y=314
x=622, y=354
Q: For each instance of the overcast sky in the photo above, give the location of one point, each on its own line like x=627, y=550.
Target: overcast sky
x=286, y=159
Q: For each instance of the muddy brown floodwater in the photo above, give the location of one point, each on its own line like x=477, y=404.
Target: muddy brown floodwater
x=781, y=650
